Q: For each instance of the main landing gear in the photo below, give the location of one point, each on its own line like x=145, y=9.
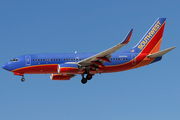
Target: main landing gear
x=84, y=80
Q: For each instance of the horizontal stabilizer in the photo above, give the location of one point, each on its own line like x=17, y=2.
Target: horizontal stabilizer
x=160, y=53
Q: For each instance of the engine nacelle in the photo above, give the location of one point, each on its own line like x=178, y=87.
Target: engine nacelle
x=68, y=69
x=60, y=77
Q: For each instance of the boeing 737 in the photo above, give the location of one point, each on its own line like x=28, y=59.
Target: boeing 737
x=65, y=66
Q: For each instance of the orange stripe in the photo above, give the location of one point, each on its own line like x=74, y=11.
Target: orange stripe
x=157, y=47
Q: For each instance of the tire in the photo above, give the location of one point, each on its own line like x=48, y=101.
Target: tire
x=84, y=81
x=89, y=77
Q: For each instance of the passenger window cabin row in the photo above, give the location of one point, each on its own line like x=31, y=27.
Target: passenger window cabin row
x=56, y=59
x=74, y=59
x=119, y=58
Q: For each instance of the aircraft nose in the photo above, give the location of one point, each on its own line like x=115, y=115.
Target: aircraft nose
x=5, y=66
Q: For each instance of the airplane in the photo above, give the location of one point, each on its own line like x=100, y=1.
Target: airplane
x=63, y=66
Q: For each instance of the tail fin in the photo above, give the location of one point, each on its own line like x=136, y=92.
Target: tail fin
x=151, y=41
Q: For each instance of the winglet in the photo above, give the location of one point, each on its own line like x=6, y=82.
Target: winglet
x=127, y=38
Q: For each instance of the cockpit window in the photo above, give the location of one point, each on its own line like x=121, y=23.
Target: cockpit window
x=14, y=60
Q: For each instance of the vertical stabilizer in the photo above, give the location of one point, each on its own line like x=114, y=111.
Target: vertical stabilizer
x=151, y=41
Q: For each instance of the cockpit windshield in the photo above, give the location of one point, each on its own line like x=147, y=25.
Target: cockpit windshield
x=14, y=60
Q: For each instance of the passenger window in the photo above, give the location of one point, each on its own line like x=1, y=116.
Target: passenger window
x=124, y=59
x=43, y=59
x=59, y=59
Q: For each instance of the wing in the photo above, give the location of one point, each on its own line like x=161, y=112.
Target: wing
x=104, y=56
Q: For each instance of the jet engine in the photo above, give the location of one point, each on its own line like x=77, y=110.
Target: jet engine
x=60, y=77
x=68, y=69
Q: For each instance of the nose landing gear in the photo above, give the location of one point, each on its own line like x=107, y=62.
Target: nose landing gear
x=22, y=79
x=20, y=74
